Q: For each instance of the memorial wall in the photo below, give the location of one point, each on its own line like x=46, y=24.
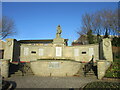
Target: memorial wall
x=77, y=53
x=32, y=50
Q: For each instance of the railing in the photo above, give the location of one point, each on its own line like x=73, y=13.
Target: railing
x=88, y=66
x=23, y=67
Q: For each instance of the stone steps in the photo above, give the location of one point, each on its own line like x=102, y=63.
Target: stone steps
x=90, y=73
x=81, y=73
x=19, y=73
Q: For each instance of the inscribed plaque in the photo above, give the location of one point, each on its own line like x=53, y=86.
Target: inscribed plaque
x=76, y=52
x=58, y=51
x=54, y=65
x=26, y=51
x=91, y=51
x=41, y=51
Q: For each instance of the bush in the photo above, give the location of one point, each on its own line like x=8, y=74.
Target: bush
x=114, y=70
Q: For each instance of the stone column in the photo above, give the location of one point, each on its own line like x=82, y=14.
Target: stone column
x=4, y=67
x=102, y=66
x=8, y=52
x=106, y=49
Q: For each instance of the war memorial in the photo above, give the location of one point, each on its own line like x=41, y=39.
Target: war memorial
x=53, y=57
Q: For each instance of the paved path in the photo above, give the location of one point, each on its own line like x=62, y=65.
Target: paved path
x=32, y=81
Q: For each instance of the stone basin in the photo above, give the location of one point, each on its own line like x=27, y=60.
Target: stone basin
x=55, y=67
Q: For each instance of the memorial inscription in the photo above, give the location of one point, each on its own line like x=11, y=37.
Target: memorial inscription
x=59, y=51
x=41, y=51
x=54, y=65
x=26, y=50
x=76, y=52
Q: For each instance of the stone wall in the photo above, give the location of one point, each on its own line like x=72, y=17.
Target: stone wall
x=77, y=53
x=4, y=67
x=102, y=66
x=12, y=50
x=55, y=67
x=106, y=50
x=15, y=50
x=2, y=45
x=8, y=52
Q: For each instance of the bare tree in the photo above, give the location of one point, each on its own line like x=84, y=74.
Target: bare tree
x=101, y=22
x=7, y=27
x=87, y=22
x=114, y=24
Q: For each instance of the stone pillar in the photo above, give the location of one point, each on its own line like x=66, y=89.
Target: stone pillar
x=102, y=66
x=4, y=67
x=8, y=53
x=106, y=50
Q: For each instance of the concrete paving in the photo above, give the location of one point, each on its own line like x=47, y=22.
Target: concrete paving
x=32, y=81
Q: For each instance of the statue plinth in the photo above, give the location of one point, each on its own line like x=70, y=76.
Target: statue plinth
x=58, y=41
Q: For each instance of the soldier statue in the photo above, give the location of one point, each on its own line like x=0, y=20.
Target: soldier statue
x=59, y=31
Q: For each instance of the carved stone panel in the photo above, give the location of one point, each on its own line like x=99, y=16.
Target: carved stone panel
x=59, y=51
x=76, y=52
x=91, y=51
x=41, y=52
x=54, y=65
x=26, y=51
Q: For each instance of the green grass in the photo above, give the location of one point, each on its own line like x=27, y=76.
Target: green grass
x=114, y=70
x=99, y=85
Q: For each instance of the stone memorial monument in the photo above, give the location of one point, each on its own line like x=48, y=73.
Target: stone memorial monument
x=47, y=57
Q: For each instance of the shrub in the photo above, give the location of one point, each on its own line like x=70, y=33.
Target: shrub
x=114, y=70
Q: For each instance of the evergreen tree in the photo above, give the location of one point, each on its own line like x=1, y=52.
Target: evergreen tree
x=90, y=37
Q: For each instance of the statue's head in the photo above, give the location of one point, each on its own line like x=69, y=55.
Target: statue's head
x=58, y=25
x=59, y=28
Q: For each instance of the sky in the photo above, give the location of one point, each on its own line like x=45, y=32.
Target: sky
x=39, y=20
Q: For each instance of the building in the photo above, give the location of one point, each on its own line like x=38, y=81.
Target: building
x=82, y=40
